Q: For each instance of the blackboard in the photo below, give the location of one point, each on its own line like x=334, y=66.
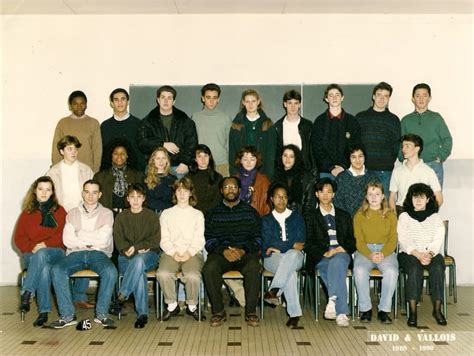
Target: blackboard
x=357, y=97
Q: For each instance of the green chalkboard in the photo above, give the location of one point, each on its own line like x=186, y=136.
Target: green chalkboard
x=357, y=97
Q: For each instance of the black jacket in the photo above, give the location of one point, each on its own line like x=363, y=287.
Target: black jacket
x=304, y=129
x=153, y=134
x=317, y=238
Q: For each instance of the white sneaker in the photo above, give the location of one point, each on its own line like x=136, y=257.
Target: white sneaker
x=342, y=320
x=330, y=312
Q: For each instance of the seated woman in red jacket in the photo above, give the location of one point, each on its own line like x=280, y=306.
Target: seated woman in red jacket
x=38, y=235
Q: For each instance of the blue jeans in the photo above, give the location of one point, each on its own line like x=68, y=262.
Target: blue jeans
x=178, y=175
x=96, y=261
x=284, y=266
x=326, y=175
x=38, y=278
x=389, y=268
x=333, y=272
x=135, y=280
x=384, y=177
x=437, y=167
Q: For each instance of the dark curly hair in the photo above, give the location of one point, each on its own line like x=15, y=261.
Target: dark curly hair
x=132, y=161
x=420, y=189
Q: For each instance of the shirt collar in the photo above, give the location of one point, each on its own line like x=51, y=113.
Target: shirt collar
x=324, y=212
x=123, y=118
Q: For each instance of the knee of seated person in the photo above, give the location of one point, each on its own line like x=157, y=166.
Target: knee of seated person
x=57, y=270
x=41, y=254
x=138, y=261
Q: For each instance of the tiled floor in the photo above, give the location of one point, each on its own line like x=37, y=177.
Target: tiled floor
x=184, y=336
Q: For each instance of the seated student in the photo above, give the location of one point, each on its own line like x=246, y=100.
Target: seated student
x=421, y=235
x=375, y=230
x=329, y=245
x=38, y=235
x=88, y=239
x=82, y=126
x=283, y=234
x=182, y=240
x=119, y=169
x=352, y=182
x=159, y=181
x=233, y=241
x=254, y=184
x=292, y=172
x=137, y=238
x=205, y=179
x=252, y=127
x=69, y=177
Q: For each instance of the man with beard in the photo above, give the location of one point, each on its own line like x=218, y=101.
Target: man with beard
x=233, y=241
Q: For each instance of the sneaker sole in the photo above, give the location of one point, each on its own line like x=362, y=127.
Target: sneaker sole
x=99, y=322
x=71, y=323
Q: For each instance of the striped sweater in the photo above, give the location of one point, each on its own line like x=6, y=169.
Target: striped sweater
x=422, y=236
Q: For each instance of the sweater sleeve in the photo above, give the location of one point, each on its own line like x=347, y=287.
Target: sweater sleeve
x=391, y=244
x=120, y=239
x=438, y=238
x=151, y=240
x=446, y=141
x=197, y=242
x=22, y=238
x=403, y=238
x=146, y=141
x=166, y=242
x=359, y=234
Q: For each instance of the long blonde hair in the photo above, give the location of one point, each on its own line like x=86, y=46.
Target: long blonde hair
x=364, y=209
x=152, y=177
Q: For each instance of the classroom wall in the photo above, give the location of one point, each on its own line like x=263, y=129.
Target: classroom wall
x=44, y=58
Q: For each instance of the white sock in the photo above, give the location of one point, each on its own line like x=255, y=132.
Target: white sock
x=192, y=307
x=172, y=306
x=333, y=298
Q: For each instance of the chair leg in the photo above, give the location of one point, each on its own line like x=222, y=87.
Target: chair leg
x=262, y=282
x=351, y=297
x=455, y=287
x=317, y=297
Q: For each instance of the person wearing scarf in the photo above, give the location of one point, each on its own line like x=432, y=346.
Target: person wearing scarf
x=420, y=235
x=254, y=183
x=38, y=236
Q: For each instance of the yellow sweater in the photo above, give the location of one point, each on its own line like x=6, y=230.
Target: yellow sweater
x=375, y=229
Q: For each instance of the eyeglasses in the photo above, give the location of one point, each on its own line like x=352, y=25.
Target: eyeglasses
x=230, y=187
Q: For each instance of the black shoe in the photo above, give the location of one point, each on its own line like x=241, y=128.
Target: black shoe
x=366, y=316
x=383, y=317
x=41, y=319
x=116, y=307
x=252, y=320
x=168, y=314
x=439, y=317
x=141, y=321
x=271, y=297
x=195, y=314
x=218, y=319
x=292, y=322
x=412, y=322
x=25, y=302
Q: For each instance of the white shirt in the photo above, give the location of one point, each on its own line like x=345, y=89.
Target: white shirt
x=125, y=117
x=291, y=134
x=281, y=217
x=72, y=196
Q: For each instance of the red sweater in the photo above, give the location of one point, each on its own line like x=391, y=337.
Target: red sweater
x=29, y=232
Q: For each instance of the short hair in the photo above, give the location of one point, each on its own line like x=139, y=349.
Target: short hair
x=291, y=94
x=76, y=94
x=30, y=202
x=211, y=87
x=419, y=189
x=67, y=141
x=167, y=88
x=325, y=181
x=116, y=91
x=136, y=187
x=277, y=185
x=236, y=179
x=383, y=86
x=353, y=148
x=253, y=151
x=415, y=139
x=421, y=86
x=330, y=87
x=187, y=184
x=92, y=181
x=252, y=92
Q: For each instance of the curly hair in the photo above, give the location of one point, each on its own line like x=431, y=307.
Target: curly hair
x=420, y=189
x=30, y=202
x=248, y=149
x=152, y=178
x=132, y=161
x=299, y=164
x=364, y=209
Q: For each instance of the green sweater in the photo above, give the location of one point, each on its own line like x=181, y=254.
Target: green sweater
x=430, y=126
x=375, y=229
x=141, y=230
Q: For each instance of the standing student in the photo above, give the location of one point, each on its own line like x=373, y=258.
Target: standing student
x=333, y=131
x=137, y=238
x=329, y=246
x=38, y=235
x=88, y=239
x=380, y=134
x=167, y=126
x=292, y=129
x=252, y=127
x=122, y=125
x=182, y=241
x=213, y=125
x=82, y=126
x=431, y=127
